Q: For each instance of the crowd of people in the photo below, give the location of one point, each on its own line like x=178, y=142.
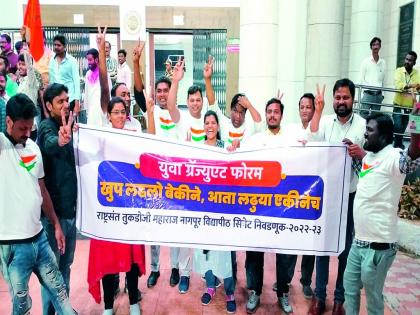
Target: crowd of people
x=39, y=104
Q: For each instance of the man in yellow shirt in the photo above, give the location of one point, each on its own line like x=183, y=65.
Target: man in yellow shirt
x=406, y=79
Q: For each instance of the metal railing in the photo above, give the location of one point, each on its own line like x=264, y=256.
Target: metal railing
x=384, y=107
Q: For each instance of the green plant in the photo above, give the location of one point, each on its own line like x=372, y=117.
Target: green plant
x=410, y=201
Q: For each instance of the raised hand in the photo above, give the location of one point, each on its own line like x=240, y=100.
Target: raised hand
x=178, y=73
x=138, y=50
x=150, y=103
x=319, y=99
x=279, y=95
x=244, y=102
x=65, y=131
x=23, y=32
x=208, y=68
x=100, y=37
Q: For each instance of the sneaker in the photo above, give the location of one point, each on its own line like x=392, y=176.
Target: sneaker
x=173, y=281
x=284, y=303
x=152, y=280
x=230, y=304
x=184, y=284
x=307, y=292
x=207, y=296
x=108, y=312
x=135, y=309
x=253, y=302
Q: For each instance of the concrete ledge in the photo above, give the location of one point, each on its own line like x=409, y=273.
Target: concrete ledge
x=409, y=235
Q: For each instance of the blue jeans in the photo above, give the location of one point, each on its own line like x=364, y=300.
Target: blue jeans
x=18, y=261
x=366, y=268
x=323, y=263
x=228, y=283
x=64, y=261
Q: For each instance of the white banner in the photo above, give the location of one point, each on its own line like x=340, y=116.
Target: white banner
x=143, y=189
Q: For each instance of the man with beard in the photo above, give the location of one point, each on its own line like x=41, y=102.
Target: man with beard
x=60, y=180
x=7, y=50
x=24, y=245
x=375, y=213
x=254, y=263
x=92, y=100
x=347, y=127
x=64, y=69
x=407, y=79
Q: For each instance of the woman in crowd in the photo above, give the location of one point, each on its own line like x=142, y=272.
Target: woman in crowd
x=213, y=263
x=107, y=259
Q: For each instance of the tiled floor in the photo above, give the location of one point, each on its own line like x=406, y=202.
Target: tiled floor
x=164, y=300
x=402, y=288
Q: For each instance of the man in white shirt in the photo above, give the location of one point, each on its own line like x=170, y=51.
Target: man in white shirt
x=123, y=70
x=111, y=63
x=254, y=263
x=347, y=127
x=24, y=245
x=92, y=100
x=375, y=213
x=191, y=123
x=372, y=73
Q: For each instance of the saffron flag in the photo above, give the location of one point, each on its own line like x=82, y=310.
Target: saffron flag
x=33, y=22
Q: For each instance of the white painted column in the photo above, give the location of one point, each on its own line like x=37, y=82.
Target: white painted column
x=291, y=48
x=258, y=57
x=366, y=23
x=324, y=46
x=14, y=16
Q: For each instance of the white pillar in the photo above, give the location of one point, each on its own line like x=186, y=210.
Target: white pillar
x=291, y=48
x=14, y=16
x=258, y=57
x=366, y=23
x=324, y=46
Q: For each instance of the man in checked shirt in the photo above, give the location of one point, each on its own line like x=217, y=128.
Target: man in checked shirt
x=375, y=213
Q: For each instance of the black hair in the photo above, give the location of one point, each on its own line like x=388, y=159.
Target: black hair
x=21, y=57
x=345, y=83
x=413, y=53
x=212, y=113
x=385, y=125
x=61, y=39
x=235, y=100
x=6, y=61
x=163, y=80
x=54, y=90
x=20, y=107
x=7, y=37
x=94, y=52
x=18, y=46
x=375, y=39
x=122, y=51
x=115, y=88
x=310, y=96
x=114, y=100
x=275, y=100
x=4, y=74
x=194, y=89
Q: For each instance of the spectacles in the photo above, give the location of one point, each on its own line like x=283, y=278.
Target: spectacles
x=116, y=112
